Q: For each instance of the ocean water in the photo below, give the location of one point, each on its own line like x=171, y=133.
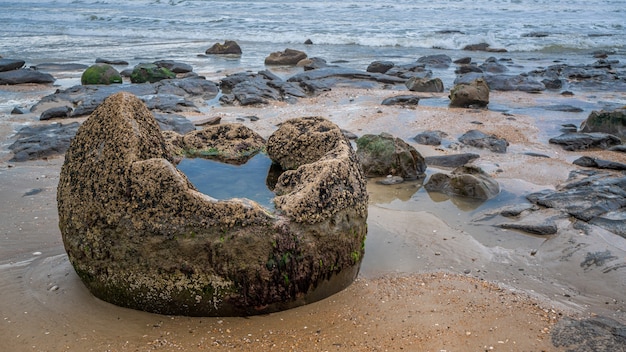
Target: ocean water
x=354, y=31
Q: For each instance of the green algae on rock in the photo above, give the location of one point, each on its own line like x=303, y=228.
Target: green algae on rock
x=143, y=73
x=139, y=235
x=100, y=74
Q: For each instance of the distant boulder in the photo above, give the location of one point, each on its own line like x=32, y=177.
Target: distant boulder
x=478, y=139
x=287, y=57
x=229, y=47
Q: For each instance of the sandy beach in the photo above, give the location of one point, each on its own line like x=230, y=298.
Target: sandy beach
x=435, y=276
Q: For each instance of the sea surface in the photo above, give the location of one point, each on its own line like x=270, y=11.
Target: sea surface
x=354, y=31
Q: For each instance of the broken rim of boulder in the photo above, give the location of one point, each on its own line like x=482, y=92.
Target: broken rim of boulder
x=139, y=235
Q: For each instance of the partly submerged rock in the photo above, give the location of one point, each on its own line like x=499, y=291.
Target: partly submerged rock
x=430, y=137
x=140, y=235
x=452, y=160
x=588, y=161
x=384, y=154
x=231, y=143
x=465, y=181
x=230, y=47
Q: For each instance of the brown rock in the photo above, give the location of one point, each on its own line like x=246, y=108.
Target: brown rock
x=139, y=235
x=476, y=93
x=229, y=47
x=287, y=57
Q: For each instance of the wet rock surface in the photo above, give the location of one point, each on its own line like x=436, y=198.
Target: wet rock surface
x=139, y=235
x=384, y=154
x=583, y=141
x=595, y=197
x=465, y=181
x=40, y=142
x=591, y=334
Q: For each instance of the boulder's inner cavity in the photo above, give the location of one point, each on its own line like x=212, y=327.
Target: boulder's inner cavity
x=225, y=181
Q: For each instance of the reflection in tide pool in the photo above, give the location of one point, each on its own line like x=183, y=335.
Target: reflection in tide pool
x=225, y=181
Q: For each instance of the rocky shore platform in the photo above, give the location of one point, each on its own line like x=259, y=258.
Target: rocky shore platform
x=536, y=263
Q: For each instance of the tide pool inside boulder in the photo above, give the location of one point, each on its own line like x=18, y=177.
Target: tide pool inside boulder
x=140, y=235
x=225, y=181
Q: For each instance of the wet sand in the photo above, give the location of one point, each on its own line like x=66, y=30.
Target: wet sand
x=435, y=277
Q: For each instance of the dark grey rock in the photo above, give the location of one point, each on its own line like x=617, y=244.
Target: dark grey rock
x=491, y=65
x=607, y=121
x=174, y=122
x=174, y=66
x=463, y=61
x=537, y=227
x=402, y=100
x=430, y=137
x=10, y=64
x=592, y=334
x=436, y=61
x=115, y=62
x=453, y=160
x=478, y=139
x=40, y=142
x=514, y=83
x=57, y=112
x=587, y=161
x=583, y=141
x=585, y=195
x=55, y=67
x=22, y=76
x=380, y=66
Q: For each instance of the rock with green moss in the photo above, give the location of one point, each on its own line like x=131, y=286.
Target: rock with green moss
x=151, y=73
x=384, y=154
x=100, y=74
x=139, y=234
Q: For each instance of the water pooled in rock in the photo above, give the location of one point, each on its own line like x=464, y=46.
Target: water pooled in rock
x=225, y=181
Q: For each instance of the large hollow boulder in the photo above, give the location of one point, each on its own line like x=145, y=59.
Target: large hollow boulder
x=139, y=235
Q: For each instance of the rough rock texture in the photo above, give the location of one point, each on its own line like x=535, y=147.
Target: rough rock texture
x=139, y=235
x=612, y=122
x=328, y=178
x=229, y=47
x=587, y=195
x=287, y=57
x=588, y=161
x=10, y=64
x=384, y=155
x=232, y=143
x=465, y=181
x=100, y=74
x=403, y=100
x=475, y=93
